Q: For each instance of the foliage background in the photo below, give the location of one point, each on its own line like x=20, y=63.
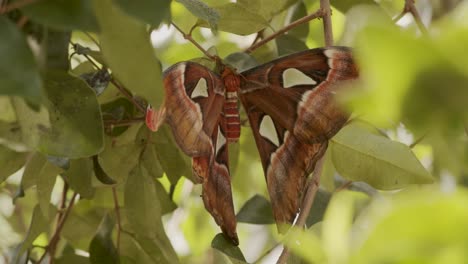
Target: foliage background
x=403, y=160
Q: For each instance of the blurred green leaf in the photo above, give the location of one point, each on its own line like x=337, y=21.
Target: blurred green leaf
x=56, y=45
x=344, y=5
x=70, y=257
x=10, y=162
x=102, y=249
x=10, y=136
x=142, y=206
x=423, y=226
x=337, y=223
x=233, y=252
x=359, y=155
x=130, y=55
x=257, y=210
x=152, y=12
x=306, y=244
x=63, y=15
x=18, y=69
x=79, y=177
x=100, y=174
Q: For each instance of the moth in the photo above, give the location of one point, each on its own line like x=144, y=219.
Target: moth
x=291, y=107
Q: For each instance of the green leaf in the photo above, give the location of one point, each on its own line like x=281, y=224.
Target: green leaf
x=10, y=136
x=102, y=249
x=301, y=31
x=233, y=252
x=202, y=11
x=18, y=69
x=167, y=205
x=344, y=5
x=238, y=20
x=63, y=14
x=71, y=104
x=142, y=206
x=10, y=162
x=60, y=131
x=173, y=161
x=101, y=175
x=79, y=177
x=82, y=224
x=39, y=224
x=56, y=45
x=257, y=210
x=70, y=257
x=121, y=154
x=158, y=249
x=130, y=55
x=152, y=12
x=241, y=61
x=321, y=200
x=266, y=8
x=40, y=172
x=288, y=44
x=359, y=155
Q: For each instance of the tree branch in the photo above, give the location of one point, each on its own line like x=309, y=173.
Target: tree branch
x=189, y=38
x=327, y=23
x=311, y=191
x=56, y=236
x=411, y=8
x=316, y=14
x=15, y=5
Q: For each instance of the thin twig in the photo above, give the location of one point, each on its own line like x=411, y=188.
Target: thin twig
x=411, y=8
x=15, y=5
x=128, y=95
x=311, y=191
x=56, y=236
x=417, y=141
x=120, y=123
x=327, y=23
x=117, y=216
x=22, y=21
x=317, y=14
x=344, y=186
x=189, y=38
